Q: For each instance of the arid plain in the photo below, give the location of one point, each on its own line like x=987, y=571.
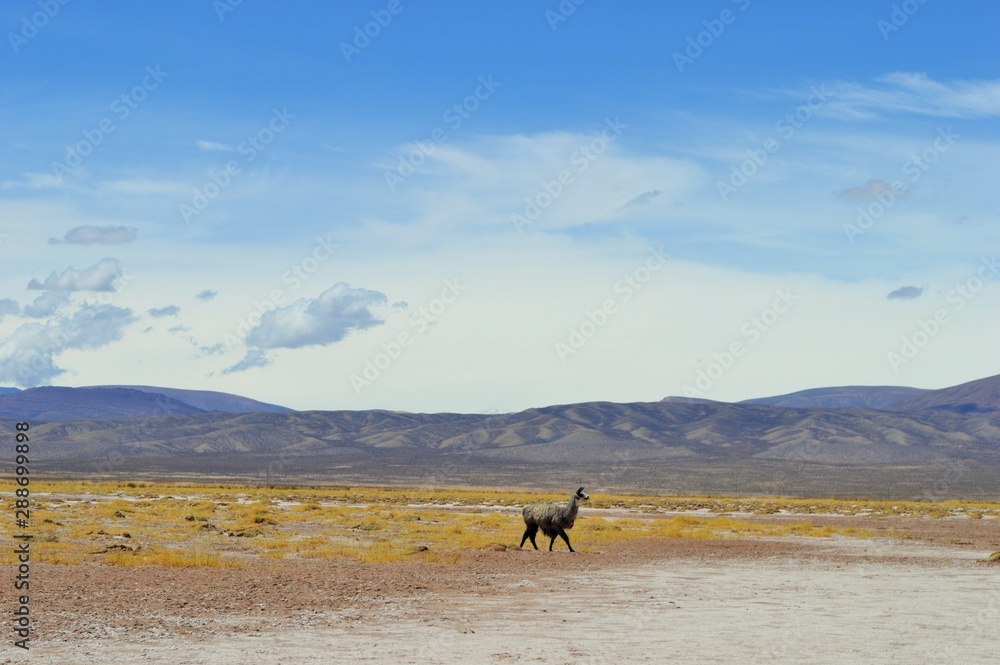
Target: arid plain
x=202, y=573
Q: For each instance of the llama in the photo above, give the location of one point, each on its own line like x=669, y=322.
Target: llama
x=552, y=519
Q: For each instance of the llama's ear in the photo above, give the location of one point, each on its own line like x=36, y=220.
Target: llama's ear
x=580, y=491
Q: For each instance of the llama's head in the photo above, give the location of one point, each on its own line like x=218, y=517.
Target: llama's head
x=580, y=495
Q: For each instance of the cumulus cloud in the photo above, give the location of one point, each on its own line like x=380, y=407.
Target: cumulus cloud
x=319, y=321
x=47, y=304
x=906, y=293
x=870, y=191
x=206, y=295
x=211, y=146
x=97, y=235
x=160, y=312
x=99, y=277
x=28, y=355
x=8, y=307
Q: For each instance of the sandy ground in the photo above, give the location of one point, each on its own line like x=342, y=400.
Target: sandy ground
x=924, y=599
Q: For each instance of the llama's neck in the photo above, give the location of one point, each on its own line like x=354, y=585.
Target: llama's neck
x=574, y=507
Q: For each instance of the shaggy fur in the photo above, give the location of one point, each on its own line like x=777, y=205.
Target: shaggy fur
x=552, y=519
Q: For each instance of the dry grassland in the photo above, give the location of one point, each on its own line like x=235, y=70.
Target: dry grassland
x=195, y=525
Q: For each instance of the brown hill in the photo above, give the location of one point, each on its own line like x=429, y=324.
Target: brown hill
x=56, y=403
x=670, y=447
x=943, y=444
x=99, y=402
x=843, y=397
x=980, y=396
x=209, y=400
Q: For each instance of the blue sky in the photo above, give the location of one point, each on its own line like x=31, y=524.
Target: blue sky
x=492, y=206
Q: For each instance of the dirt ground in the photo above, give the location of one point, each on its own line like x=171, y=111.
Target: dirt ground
x=918, y=593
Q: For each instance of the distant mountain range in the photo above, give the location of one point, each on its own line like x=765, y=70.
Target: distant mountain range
x=981, y=395
x=831, y=442
x=50, y=403
x=845, y=397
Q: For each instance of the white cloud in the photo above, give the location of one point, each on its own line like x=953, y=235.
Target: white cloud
x=906, y=293
x=641, y=199
x=560, y=179
x=206, y=295
x=47, y=304
x=143, y=186
x=103, y=235
x=27, y=357
x=253, y=358
x=8, y=307
x=914, y=93
x=318, y=321
x=99, y=277
x=160, y=312
x=33, y=181
x=870, y=191
x=209, y=146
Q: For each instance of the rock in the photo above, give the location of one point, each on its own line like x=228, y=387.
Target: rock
x=123, y=548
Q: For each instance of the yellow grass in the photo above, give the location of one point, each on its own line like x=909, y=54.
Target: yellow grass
x=170, y=524
x=169, y=557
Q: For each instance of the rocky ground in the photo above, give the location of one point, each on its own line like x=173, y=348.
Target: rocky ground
x=916, y=593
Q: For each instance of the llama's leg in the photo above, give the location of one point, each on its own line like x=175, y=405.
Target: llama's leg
x=529, y=532
x=566, y=538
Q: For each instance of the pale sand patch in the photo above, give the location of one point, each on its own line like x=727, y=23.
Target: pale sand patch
x=933, y=607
